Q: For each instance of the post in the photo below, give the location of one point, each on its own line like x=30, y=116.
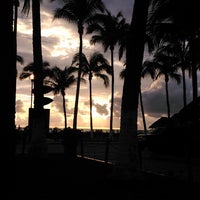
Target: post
x=39, y=127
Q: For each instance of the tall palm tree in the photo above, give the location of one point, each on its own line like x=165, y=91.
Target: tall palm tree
x=165, y=64
x=95, y=66
x=168, y=11
x=179, y=49
x=78, y=12
x=128, y=155
x=177, y=44
x=109, y=30
x=60, y=80
x=146, y=70
x=40, y=115
x=188, y=25
x=37, y=50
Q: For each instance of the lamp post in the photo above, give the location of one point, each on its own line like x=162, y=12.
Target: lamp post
x=32, y=83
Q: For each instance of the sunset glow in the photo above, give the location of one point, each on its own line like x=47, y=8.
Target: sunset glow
x=60, y=42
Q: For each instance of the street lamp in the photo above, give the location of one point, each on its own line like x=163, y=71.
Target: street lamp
x=32, y=83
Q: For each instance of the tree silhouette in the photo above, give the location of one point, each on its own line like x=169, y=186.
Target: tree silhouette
x=37, y=50
x=108, y=30
x=78, y=12
x=60, y=80
x=165, y=65
x=30, y=69
x=128, y=155
x=95, y=66
x=146, y=70
x=188, y=26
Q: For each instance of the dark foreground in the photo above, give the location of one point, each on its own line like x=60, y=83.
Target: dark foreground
x=56, y=178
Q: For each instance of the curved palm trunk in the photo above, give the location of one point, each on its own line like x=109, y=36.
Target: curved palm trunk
x=64, y=110
x=167, y=96
x=80, y=30
x=112, y=90
x=128, y=154
x=184, y=88
x=142, y=110
x=90, y=94
x=111, y=105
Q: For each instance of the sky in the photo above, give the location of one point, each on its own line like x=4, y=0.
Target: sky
x=60, y=42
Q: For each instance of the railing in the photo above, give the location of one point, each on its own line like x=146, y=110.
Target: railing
x=98, y=148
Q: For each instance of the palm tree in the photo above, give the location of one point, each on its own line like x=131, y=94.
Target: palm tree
x=78, y=12
x=60, y=80
x=30, y=69
x=109, y=30
x=180, y=50
x=187, y=25
x=128, y=155
x=38, y=143
x=165, y=64
x=177, y=44
x=146, y=70
x=37, y=50
x=96, y=65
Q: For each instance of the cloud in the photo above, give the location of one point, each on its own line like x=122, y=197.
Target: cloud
x=117, y=107
x=120, y=5
x=154, y=99
x=20, y=106
x=60, y=42
x=101, y=109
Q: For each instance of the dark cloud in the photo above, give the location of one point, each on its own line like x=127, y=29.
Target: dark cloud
x=154, y=99
x=101, y=109
x=125, y=6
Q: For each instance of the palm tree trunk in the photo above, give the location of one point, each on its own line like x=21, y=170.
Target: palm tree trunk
x=37, y=55
x=80, y=30
x=184, y=88
x=38, y=117
x=167, y=96
x=91, y=118
x=111, y=106
x=128, y=155
x=64, y=110
x=112, y=90
x=142, y=110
